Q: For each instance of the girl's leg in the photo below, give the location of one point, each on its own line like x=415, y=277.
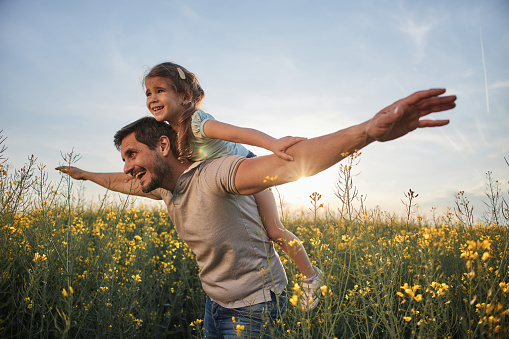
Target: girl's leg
x=277, y=232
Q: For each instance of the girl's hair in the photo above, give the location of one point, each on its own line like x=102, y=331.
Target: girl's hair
x=182, y=81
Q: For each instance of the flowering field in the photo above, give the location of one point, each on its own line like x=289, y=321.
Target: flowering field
x=72, y=270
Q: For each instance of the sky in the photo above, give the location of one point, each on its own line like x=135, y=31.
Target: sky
x=71, y=77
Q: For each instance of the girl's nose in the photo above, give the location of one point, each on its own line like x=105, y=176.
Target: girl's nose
x=152, y=98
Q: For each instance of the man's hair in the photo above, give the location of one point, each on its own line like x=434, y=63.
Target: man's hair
x=147, y=130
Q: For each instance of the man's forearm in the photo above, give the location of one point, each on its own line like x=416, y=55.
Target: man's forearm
x=118, y=182
x=317, y=154
x=311, y=156
x=113, y=181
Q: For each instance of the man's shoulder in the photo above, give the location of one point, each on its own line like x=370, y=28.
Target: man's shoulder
x=223, y=161
x=219, y=173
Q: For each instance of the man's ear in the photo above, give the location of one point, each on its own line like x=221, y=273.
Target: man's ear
x=164, y=145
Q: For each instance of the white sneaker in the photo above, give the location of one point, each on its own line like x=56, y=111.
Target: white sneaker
x=311, y=291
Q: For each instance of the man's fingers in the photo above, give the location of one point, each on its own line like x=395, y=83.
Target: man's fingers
x=63, y=169
x=437, y=104
x=432, y=123
x=423, y=95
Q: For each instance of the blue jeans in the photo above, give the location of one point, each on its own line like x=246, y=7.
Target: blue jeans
x=262, y=320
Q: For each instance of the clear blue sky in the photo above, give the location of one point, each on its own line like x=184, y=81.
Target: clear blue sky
x=71, y=77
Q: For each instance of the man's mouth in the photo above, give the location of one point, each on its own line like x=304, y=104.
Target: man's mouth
x=139, y=174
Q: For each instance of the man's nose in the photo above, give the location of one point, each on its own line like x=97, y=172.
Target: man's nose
x=128, y=167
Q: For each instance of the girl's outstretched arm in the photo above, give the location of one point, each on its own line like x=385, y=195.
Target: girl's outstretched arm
x=219, y=130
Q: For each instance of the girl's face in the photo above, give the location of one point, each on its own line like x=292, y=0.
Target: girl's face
x=162, y=101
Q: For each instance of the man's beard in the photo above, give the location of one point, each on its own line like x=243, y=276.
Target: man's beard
x=161, y=170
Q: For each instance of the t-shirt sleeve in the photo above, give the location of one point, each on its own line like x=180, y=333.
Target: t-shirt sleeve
x=221, y=173
x=199, y=119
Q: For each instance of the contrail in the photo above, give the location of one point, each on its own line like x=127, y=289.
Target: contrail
x=485, y=75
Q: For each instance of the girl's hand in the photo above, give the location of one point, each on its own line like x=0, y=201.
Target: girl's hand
x=280, y=146
x=74, y=172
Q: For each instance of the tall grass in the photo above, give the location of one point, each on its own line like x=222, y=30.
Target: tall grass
x=69, y=269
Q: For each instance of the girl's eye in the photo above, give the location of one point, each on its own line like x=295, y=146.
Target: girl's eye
x=160, y=91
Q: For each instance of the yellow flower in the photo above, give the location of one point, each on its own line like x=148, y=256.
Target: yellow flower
x=64, y=293
x=136, y=278
x=38, y=257
x=324, y=289
x=407, y=319
x=239, y=328
x=418, y=297
x=296, y=288
x=294, y=299
x=485, y=256
x=196, y=322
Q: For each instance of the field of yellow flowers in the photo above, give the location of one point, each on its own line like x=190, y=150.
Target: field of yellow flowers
x=73, y=270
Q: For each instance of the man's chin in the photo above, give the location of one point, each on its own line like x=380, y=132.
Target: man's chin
x=150, y=187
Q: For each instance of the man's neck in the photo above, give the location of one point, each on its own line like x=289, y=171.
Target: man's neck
x=177, y=168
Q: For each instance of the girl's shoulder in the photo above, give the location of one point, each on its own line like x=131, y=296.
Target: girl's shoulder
x=201, y=115
x=199, y=119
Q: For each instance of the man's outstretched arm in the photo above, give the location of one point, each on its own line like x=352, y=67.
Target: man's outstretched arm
x=118, y=182
x=317, y=154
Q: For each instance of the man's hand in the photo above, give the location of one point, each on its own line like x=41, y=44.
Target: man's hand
x=279, y=146
x=404, y=115
x=74, y=172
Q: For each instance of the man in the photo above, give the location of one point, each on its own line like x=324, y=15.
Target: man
x=212, y=209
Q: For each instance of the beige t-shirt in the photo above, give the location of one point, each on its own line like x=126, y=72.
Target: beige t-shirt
x=238, y=262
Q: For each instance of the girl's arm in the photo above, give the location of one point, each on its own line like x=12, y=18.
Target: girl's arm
x=118, y=182
x=219, y=130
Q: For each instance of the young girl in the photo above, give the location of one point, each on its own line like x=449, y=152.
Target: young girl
x=174, y=95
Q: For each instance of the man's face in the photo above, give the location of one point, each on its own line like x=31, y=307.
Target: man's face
x=147, y=166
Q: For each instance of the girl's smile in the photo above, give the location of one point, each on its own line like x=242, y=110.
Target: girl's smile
x=163, y=101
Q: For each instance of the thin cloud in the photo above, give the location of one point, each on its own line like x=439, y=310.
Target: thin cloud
x=500, y=84
x=418, y=33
